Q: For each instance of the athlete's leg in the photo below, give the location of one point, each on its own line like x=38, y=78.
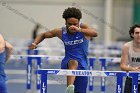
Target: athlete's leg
x=128, y=85
x=72, y=65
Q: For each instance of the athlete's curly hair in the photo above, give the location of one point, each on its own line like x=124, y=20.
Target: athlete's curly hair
x=72, y=12
x=131, y=31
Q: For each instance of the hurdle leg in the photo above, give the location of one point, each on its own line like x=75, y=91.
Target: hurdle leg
x=38, y=80
x=34, y=75
x=119, y=85
x=91, y=79
x=43, y=88
x=134, y=82
x=103, y=79
x=29, y=73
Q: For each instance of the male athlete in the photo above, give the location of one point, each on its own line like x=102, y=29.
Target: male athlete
x=75, y=36
x=130, y=59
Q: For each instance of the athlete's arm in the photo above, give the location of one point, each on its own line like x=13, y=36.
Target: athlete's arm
x=124, y=60
x=9, y=48
x=2, y=45
x=44, y=35
x=88, y=31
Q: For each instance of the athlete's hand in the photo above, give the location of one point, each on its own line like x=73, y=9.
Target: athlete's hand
x=74, y=28
x=32, y=46
x=136, y=68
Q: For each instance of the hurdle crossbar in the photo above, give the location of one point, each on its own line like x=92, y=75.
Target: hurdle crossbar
x=79, y=72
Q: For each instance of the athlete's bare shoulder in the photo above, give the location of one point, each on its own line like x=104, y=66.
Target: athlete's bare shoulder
x=57, y=32
x=126, y=46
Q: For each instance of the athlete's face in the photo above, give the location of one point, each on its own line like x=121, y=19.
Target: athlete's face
x=136, y=35
x=72, y=22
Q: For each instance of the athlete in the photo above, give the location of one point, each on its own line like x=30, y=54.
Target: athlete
x=5, y=51
x=75, y=36
x=130, y=59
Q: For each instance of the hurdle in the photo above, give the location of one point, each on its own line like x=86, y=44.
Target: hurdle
x=118, y=74
x=31, y=60
x=45, y=72
x=29, y=69
x=103, y=61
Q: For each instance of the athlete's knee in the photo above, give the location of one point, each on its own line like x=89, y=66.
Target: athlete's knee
x=73, y=64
